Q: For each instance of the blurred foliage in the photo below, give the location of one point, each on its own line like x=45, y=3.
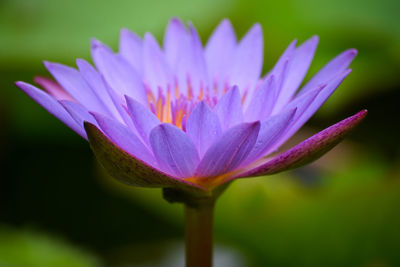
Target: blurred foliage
x=340, y=211
x=28, y=248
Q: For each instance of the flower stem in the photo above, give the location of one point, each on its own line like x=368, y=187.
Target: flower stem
x=199, y=234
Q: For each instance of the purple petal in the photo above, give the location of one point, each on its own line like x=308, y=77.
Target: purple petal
x=157, y=72
x=219, y=52
x=96, y=83
x=229, y=109
x=129, y=169
x=334, y=68
x=298, y=67
x=118, y=101
x=174, y=151
x=203, y=127
x=78, y=112
x=280, y=72
x=197, y=66
x=143, y=119
x=71, y=80
x=262, y=100
x=175, y=40
x=247, y=64
x=52, y=106
x=53, y=88
x=270, y=130
x=130, y=48
x=310, y=149
x=117, y=72
x=123, y=137
x=190, y=67
x=285, y=57
x=229, y=151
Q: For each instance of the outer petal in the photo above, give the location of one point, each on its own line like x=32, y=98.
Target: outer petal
x=219, y=52
x=271, y=129
x=130, y=48
x=71, y=80
x=334, y=68
x=156, y=69
x=129, y=169
x=53, y=88
x=310, y=149
x=143, y=119
x=124, y=138
x=203, y=127
x=229, y=151
x=97, y=84
x=175, y=152
x=298, y=66
x=229, y=108
x=118, y=73
x=52, y=106
x=247, y=64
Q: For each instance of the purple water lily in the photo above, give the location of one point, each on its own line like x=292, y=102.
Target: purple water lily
x=192, y=117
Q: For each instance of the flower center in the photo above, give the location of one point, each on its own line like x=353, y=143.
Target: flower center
x=175, y=107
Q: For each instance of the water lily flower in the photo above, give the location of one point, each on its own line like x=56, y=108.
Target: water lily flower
x=191, y=119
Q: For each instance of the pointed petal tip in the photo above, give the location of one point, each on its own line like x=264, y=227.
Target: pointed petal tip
x=353, y=51
x=192, y=28
x=177, y=21
x=314, y=38
x=255, y=31
x=350, y=53
x=257, y=27
x=125, y=31
x=48, y=64
x=226, y=22
x=361, y=114
x=96, y=115
x=24, y=86
x=293, y=43
x=147, y=36
x=19, y=83
x=95, y=43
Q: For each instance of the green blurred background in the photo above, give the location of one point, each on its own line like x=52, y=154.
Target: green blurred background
x=57, y=207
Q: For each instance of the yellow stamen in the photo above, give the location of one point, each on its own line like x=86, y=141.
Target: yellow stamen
x=159, y=109
x=168, y=107
x=201, y=95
